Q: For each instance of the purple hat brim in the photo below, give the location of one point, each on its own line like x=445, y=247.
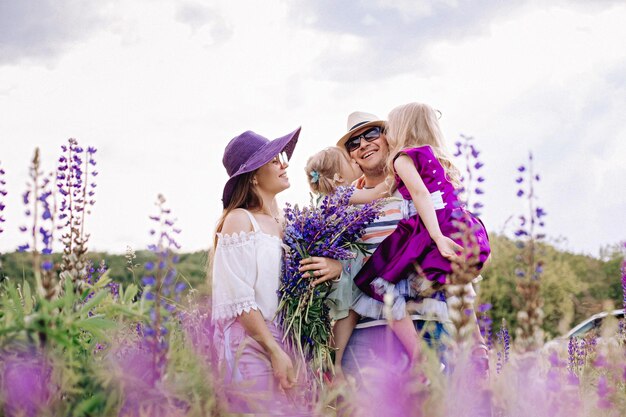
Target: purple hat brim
x=261, y=157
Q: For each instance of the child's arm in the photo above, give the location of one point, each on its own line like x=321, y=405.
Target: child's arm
x=406, y=170
x=364, y=196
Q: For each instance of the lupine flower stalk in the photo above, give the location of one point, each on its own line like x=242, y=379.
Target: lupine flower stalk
x=580, y=352
x=161, y=289
x=464, y=269
x=485, y=323
x=95, y=275
x=3, y=193
x=75, y=168
x=622, y=322
x=504, y=342
x=624, y=276
x=42, y=213
x=529, y=334
x=572, y=354
x=472, y=180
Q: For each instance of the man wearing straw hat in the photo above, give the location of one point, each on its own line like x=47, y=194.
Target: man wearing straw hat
x=371, y=341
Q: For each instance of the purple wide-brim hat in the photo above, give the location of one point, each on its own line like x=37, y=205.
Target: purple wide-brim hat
x=250, y=151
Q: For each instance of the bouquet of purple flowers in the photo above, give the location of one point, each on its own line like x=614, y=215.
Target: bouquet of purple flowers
x=329, y=229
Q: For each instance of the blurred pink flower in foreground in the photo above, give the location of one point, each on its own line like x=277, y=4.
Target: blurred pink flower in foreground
x=26, y=383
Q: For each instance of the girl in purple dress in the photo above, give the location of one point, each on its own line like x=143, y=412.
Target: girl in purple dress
x=423, y=173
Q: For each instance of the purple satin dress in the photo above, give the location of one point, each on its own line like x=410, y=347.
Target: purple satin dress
x=411, y=244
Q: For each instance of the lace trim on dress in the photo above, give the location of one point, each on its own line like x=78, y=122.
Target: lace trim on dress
x=366, y=306
x=236, y=239
x=429, y=308
x=233, y=309
x=241, y=238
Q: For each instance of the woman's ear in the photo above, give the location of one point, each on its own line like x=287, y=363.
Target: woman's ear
x=254, y=181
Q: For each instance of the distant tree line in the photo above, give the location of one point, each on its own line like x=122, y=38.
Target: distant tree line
x=573, y=286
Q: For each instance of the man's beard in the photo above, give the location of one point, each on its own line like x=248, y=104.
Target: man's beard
x=376, y=171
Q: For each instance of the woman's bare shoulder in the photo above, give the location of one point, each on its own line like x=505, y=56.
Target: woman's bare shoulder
x=236, y=221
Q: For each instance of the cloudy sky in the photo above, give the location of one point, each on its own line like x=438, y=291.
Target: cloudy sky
x=160, y=87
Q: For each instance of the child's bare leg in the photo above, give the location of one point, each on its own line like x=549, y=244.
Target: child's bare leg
x=341, y=334
x=405, y=330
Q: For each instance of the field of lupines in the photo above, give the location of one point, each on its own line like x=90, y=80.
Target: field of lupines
x=76, y=341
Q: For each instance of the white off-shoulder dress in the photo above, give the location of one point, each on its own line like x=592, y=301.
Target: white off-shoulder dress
x=246, y=276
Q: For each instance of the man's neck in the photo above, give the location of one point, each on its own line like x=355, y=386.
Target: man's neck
x=372, y=181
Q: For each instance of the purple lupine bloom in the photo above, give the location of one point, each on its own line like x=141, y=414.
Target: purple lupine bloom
x=603, y=391
x=571, y=354
x=3, y=193
x=159, y=282
x=485, y=322
x=36, y=202
x=133, y=368
x=484, y=307
x=624, y=275
x=555, y=361
x=114, y=288
x=458, y=149
x=507, y=343
x=539, y=212
x=581, y=352
x=600, y=361
x=26, y=384
x=72, y=182
x=528, y=259
x=469, y=155
x=504, y=341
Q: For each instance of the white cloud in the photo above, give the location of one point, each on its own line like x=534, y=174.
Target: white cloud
x=34, y=31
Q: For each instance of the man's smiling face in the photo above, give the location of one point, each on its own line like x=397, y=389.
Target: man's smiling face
x=371, y=156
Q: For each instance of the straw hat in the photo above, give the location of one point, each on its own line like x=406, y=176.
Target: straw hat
x=357, y=121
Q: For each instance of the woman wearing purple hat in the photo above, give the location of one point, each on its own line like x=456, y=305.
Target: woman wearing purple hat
x=246, y=274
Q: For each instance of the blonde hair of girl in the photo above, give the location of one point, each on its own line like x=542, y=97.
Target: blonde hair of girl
x=416, y=124
x=323, y=170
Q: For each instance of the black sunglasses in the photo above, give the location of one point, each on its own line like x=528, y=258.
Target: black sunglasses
x=369, y=135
